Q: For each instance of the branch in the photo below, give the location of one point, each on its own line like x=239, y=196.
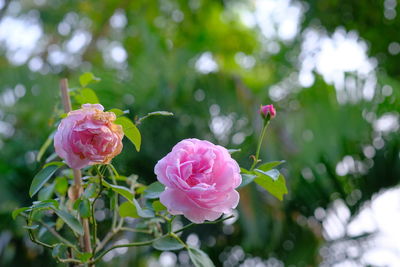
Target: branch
x=136, y=244
x=70, y=260
x=135, y=230
x=58, y=236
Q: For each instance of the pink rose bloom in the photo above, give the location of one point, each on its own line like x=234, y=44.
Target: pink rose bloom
x=200, y=180
x=88, y=136
x=267, y=109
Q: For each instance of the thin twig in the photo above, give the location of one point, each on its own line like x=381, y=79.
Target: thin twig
x=70, y=260
x=33, y=238
x=93, y=207
x=144, y=231
x=53, y=232
x=136, y=244
x=57, y=235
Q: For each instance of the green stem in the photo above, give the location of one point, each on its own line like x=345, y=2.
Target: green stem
x=144, y=231
x=136, y=244
x=170, y=224
x=70, y=260
x=264, y=130
x=53, y=232
x=113, y=169
x=178, y=239
x=94, y=231
x=114, y=173
x=32, y=235
x=36, y=241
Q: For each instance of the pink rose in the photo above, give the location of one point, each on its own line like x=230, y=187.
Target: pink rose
x=88, y=136
x=200, y=180
x=267, y=109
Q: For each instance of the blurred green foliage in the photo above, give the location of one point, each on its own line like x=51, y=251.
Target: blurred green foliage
x=161, y=43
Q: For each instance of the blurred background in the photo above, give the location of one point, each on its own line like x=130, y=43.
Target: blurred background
x=330, y=67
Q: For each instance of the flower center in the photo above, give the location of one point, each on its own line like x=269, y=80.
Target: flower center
x=197, y=169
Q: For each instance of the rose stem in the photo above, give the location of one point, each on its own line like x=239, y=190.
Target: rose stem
x=77, y=173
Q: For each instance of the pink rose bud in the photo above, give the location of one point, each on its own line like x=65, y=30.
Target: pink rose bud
x=88, y=136
x=200, y=180
x=267, y=110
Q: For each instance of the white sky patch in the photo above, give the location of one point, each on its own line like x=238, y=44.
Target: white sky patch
x=20, y=36
x=114, y=54
x=381, y=217
x=118, y=20
x=78, y=41
x=245, y=61
x=387, y=123
x=206, y=64
x=118, y=53
x=349, y=165
x=55, y=57
x=277, y=19
x=342, y=60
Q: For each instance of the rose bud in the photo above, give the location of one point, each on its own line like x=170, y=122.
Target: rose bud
x=200, y=180
x=88, y=136
x=267, y=112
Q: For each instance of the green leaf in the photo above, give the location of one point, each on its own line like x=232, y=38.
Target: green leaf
x=44, y=204
x=127, y=209
x=54, y=163
x=84, y=256
x=84, y=208
x=59, y=224
x=123, y=191
x=90, y=190
x=167, y=243
x=70, y=220
x=270, y=165
x=76, y=204
x=243, y=170
x=154, y=190
x=160, y=113
x=130, y=130
x=87, y=78
x=118, y=112
x=140, y=189
x=158, y=206
x=61, y=185
x=246, y=179
x=144, y=213
x=17, y=212
x=274, y=173
x=87, y=95
x=231, y=151
x=46, y=192
x=155, y=113
x=113, y=199
x=59, y=251
x=41, y=178
x=199, y=258
x=276, y=188
x=44, y=147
